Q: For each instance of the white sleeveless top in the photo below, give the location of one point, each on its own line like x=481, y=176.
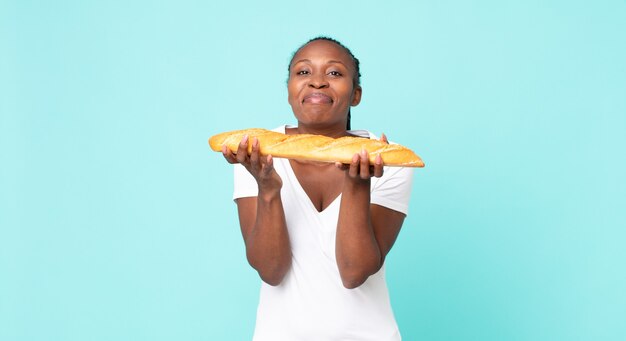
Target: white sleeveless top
x=311, y=303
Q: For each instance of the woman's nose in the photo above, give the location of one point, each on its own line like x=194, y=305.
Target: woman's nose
x=318, y=82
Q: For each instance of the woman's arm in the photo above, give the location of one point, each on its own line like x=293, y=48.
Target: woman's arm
x=262, y=218
x=365, y=232
x=265, y=234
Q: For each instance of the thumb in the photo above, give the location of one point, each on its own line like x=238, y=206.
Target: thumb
x=268, y=166
x=383, y=138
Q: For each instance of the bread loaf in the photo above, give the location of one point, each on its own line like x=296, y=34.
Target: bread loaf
x=317, y=147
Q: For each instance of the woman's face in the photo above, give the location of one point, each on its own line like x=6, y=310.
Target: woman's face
x=321, y=85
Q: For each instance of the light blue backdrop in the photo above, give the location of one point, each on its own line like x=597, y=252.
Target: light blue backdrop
x=116, y=221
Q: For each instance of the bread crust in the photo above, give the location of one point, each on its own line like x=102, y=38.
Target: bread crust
x=317, y=147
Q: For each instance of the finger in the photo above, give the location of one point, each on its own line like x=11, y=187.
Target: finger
x=228, y=155
x=242, y=150
x=342, y=166
x=383, y=138
x=254, y=155
x=378, y=166
x=354, y=166
x=365, y=165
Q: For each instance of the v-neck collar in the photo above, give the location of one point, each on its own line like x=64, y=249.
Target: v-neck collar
x=292, y=173
x=303, y=193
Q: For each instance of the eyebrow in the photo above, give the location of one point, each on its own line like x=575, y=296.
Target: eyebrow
x=329, y=62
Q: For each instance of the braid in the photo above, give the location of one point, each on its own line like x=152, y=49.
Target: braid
x=357, y=71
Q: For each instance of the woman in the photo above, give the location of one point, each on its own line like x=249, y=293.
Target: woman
x=318, y=233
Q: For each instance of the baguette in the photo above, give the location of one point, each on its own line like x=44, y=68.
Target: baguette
x=317, y=147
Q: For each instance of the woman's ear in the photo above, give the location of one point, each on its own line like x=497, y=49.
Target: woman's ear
x=356, y=96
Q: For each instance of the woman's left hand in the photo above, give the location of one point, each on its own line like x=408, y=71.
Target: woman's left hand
x=360, y=167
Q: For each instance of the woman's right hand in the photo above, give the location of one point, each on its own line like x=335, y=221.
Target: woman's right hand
x=262, y=218
x=261, y=168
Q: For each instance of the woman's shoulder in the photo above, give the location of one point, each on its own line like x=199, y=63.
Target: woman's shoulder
x=282, y=128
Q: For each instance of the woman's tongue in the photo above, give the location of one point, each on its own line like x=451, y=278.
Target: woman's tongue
x=317, y=98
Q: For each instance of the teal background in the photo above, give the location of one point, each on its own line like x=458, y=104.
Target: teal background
x=116, y=220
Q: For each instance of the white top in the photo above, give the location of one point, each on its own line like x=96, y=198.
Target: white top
x=311, y=303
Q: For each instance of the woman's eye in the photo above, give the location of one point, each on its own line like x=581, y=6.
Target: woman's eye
x=302, y=72
x=335, y=73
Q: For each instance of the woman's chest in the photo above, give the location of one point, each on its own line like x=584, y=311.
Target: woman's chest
x=321, y=183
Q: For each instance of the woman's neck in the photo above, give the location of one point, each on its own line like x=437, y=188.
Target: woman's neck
x=334, y=132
